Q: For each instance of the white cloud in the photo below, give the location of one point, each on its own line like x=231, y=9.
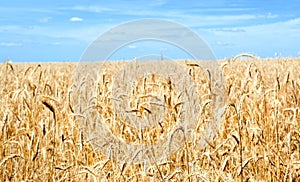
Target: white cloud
x=223, y=20
x=8, y=28
x=261, y=39
x=131, y=47
x=158, y=2
x=220, y=43
x=84, y=33
x=230, y=30
x=26, y=10
x=55, y=43
x=196, y=19
x=76, y=19
x=94, y=9
x=288, y=28
x=10, y=44
x=45, y=19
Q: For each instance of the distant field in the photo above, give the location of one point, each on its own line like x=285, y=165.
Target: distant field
x=259, y=138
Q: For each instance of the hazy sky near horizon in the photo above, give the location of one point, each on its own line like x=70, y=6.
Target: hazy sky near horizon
x=61, y=30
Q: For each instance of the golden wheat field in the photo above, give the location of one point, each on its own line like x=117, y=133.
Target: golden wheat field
x=258, y=140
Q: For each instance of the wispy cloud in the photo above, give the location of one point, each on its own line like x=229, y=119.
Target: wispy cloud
x=55, y=43
x=261, y=39
x=45, y=19
x=94, y=9
x=221, y=20
x=27, y=9
x=131, y=46
x=10, y=44
x=288, y=28
x=201, y=18
x=76, y=19
x=158, y=2
x=8, y=28
x=84, y=33
x=220, y=43
x=230, y=30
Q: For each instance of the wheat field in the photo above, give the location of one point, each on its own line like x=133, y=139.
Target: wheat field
x=258, y=139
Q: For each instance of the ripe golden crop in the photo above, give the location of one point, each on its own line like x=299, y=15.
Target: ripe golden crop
x=259, y=139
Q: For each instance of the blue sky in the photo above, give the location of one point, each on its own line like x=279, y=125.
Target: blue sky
x=61, y=30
